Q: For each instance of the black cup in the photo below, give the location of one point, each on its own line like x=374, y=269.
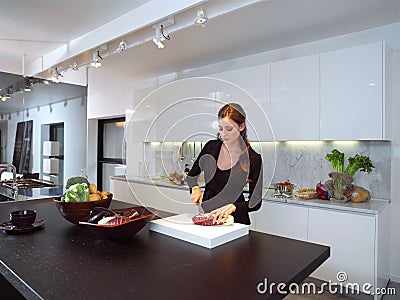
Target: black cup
x=23, y=218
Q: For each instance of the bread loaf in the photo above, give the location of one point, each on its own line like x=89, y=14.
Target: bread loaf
x=306, y=194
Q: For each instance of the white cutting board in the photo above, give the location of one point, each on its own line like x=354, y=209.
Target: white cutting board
x=182, y=227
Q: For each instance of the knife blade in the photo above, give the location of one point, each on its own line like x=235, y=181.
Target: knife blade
x=200, y=208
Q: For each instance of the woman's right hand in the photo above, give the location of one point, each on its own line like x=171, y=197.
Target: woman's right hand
x=196, y=196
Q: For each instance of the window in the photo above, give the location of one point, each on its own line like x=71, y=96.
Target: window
x=110, y=150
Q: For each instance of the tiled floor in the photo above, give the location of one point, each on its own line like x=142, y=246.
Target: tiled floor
x=328, y=296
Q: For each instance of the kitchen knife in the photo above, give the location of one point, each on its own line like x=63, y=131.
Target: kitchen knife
x=200, y=208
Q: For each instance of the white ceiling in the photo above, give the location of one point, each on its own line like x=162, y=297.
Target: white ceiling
x=38, y=27
x=35, y=28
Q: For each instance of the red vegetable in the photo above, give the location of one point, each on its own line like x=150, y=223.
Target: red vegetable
x=322, y=191
x=117, y=221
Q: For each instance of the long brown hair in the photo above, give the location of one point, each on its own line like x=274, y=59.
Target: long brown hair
x=236, y=113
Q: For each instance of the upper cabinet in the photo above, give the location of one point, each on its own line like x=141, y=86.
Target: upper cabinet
x=352, y=101
x=251, y=88
x=295, y=98
x=336, y=95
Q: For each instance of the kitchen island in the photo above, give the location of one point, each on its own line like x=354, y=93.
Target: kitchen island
x=63, y=260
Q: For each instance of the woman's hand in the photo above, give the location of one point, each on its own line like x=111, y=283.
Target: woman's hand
x=196, y=196
x=221, y=214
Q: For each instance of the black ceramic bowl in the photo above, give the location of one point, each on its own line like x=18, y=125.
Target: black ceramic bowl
x=23, y=218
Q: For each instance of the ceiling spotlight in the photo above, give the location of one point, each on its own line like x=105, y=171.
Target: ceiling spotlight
x=28, y=86
x=8, y=94
x=74, y=66
x=122, y=46
x=56, y=75
x=96, y=60
x=158, y=39
x=201, y=18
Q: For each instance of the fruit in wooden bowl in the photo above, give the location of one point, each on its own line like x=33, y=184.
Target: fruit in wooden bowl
x=78, y=200
x=75, y=212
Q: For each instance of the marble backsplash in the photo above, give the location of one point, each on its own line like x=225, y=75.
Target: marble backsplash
x=302, y=163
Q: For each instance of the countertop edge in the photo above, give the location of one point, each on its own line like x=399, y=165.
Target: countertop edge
x=149, y=181
x=378, y=204
x=23, y=288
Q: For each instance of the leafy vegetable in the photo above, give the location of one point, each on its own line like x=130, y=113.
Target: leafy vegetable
x=75, y=180
x=78, y=192
x=359, y=162
x=336, y=158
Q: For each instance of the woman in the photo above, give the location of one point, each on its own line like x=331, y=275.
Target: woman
x=229, y=163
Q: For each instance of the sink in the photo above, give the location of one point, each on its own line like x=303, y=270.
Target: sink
x=4, y=198
x=30, y=189
x=29, y=183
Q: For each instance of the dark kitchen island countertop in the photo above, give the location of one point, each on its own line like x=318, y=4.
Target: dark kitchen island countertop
x=65, y=261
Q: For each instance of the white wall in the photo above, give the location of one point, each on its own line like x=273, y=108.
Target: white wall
x=394, y=93
x=110, y=94
x=73, y=114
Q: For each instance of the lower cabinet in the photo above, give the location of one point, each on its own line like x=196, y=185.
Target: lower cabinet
x=167, y=199
x=352, y=241
x=282, y=219
x=359, y=243
x=121, y=191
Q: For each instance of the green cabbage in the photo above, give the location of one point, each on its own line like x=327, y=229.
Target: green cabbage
x=78, y=192
x=75, y=180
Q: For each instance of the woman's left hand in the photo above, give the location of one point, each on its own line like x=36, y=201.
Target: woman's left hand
x=221, y=214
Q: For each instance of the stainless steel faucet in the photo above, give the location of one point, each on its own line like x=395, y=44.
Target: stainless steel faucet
x=14, y=186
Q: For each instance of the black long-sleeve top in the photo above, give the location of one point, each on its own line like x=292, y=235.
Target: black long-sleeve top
x=226, y=186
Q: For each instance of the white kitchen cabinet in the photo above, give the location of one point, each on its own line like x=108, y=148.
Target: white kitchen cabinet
x=167, y=199
x=359, y=246
x=121, y=191
x=351, y=238
x=359, y=242
x=282, y=219
x=252, y=91
x=187, y=109
x=352, y=94
x=295, y=98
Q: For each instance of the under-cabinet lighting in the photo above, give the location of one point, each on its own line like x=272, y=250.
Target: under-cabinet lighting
x=345, y=142
x=304, y=143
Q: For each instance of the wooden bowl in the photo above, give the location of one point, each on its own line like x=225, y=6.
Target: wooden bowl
x=75, y=212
